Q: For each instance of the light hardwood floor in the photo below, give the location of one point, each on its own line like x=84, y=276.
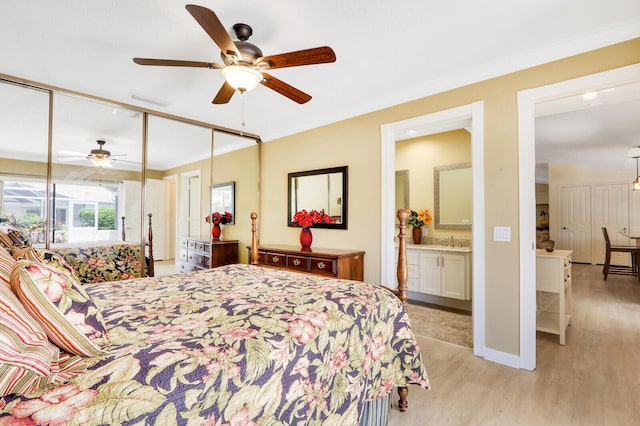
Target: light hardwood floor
x=593, y=380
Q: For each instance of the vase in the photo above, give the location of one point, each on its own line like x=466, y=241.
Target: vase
x=417, y=234
x=306, y=238
x=216, y=231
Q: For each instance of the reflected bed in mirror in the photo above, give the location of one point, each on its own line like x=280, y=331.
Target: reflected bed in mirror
x=322, y=190
x=453, y=195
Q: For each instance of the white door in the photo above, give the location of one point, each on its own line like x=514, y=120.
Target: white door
x=610, y=209
x=575, y=222
x=430, y=273
x=190, y=217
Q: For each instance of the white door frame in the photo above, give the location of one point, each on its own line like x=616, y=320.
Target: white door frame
x=526, y=158
x=438, y=122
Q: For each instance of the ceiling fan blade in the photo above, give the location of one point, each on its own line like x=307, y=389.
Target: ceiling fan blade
x=224, y=94
x=317, y=55
x=118, y=160
x=284, y=89
x=71, y=159
x=72, y=153
x=212, y=25
x=176, y=63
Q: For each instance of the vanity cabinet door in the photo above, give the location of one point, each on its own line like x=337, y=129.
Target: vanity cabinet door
x=454, y=280
x=430, y=275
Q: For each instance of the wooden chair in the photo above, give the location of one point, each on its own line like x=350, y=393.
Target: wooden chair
x=608, y=268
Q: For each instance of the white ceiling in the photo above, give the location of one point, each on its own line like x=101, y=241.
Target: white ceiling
x=387, y=52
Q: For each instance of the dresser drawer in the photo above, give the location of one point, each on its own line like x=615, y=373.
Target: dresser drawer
x=184, y=243
x=186, y=267
x=200, y=246
x=198, y=260
x=323, y=266
x=276, y=259
x=184, y=255
x=191, y=244
x=298, y=263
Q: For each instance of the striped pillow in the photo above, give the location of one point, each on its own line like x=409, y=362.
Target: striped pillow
x=22, y=381
x=26, y=354
x=6, y=265
x=61, y=306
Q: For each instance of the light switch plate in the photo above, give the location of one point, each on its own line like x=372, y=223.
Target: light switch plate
x=502, y=233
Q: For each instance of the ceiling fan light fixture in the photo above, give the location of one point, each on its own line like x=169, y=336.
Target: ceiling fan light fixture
x=100, y=162
x=241, y=77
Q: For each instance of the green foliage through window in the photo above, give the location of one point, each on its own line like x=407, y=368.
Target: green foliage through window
x=106, y=218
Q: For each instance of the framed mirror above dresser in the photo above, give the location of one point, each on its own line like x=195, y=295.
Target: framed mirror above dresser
x=322, y=190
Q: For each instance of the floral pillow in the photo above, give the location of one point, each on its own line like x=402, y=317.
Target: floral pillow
x=61, y=306
x=44, y=256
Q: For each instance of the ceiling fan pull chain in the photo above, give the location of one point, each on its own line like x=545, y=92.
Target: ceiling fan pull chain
x=242, y=113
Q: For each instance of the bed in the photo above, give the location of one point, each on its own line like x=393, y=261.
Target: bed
x=94, y=262
x=238, y=344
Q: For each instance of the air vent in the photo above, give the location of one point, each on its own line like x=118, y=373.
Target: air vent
x=148, y=100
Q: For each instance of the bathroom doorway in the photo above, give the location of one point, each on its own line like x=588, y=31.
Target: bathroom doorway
x=465, y=117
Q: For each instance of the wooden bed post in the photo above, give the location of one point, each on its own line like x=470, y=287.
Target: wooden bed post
x=403, y=275
x=254, y=240
x=150, y=236
x=403, y=272
x=124, y=233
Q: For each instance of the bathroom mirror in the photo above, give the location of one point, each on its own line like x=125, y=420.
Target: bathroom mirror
x=322, y=190
x=402, y=190
x=453, y=195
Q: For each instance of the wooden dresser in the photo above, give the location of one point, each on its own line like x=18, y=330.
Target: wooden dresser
x=198, y=254
x=347, y=264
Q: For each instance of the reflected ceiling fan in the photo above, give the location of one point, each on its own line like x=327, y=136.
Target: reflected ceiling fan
x=244, y=65
x=99, y=157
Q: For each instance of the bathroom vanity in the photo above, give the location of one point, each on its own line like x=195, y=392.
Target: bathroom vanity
x=440, y=274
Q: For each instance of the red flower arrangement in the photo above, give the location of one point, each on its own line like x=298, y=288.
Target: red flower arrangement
x=218, y=218
x=307, y=219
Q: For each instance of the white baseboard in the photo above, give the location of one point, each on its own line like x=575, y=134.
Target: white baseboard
x=503, y=358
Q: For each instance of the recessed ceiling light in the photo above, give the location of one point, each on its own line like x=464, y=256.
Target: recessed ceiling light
x=589, y=96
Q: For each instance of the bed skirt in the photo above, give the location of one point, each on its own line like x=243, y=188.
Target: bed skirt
x=376, y=412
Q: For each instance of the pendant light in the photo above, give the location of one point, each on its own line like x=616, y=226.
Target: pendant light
x=635, y=185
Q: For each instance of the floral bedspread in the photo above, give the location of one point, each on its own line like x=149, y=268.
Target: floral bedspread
x=234, y=345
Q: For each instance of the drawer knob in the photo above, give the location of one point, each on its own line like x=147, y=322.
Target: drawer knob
x=296, y=262
x=321, y=265
x=275, y=259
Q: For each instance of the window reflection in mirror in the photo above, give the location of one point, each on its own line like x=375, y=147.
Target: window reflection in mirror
x=96, y=172
x=453, y=190
x=322, y=190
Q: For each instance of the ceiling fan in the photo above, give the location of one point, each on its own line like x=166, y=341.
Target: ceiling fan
x=244, y=65
x=99, y=157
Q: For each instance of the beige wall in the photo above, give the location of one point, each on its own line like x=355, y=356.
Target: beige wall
x=242, y=167
x=420, y=156
x=356, y=143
